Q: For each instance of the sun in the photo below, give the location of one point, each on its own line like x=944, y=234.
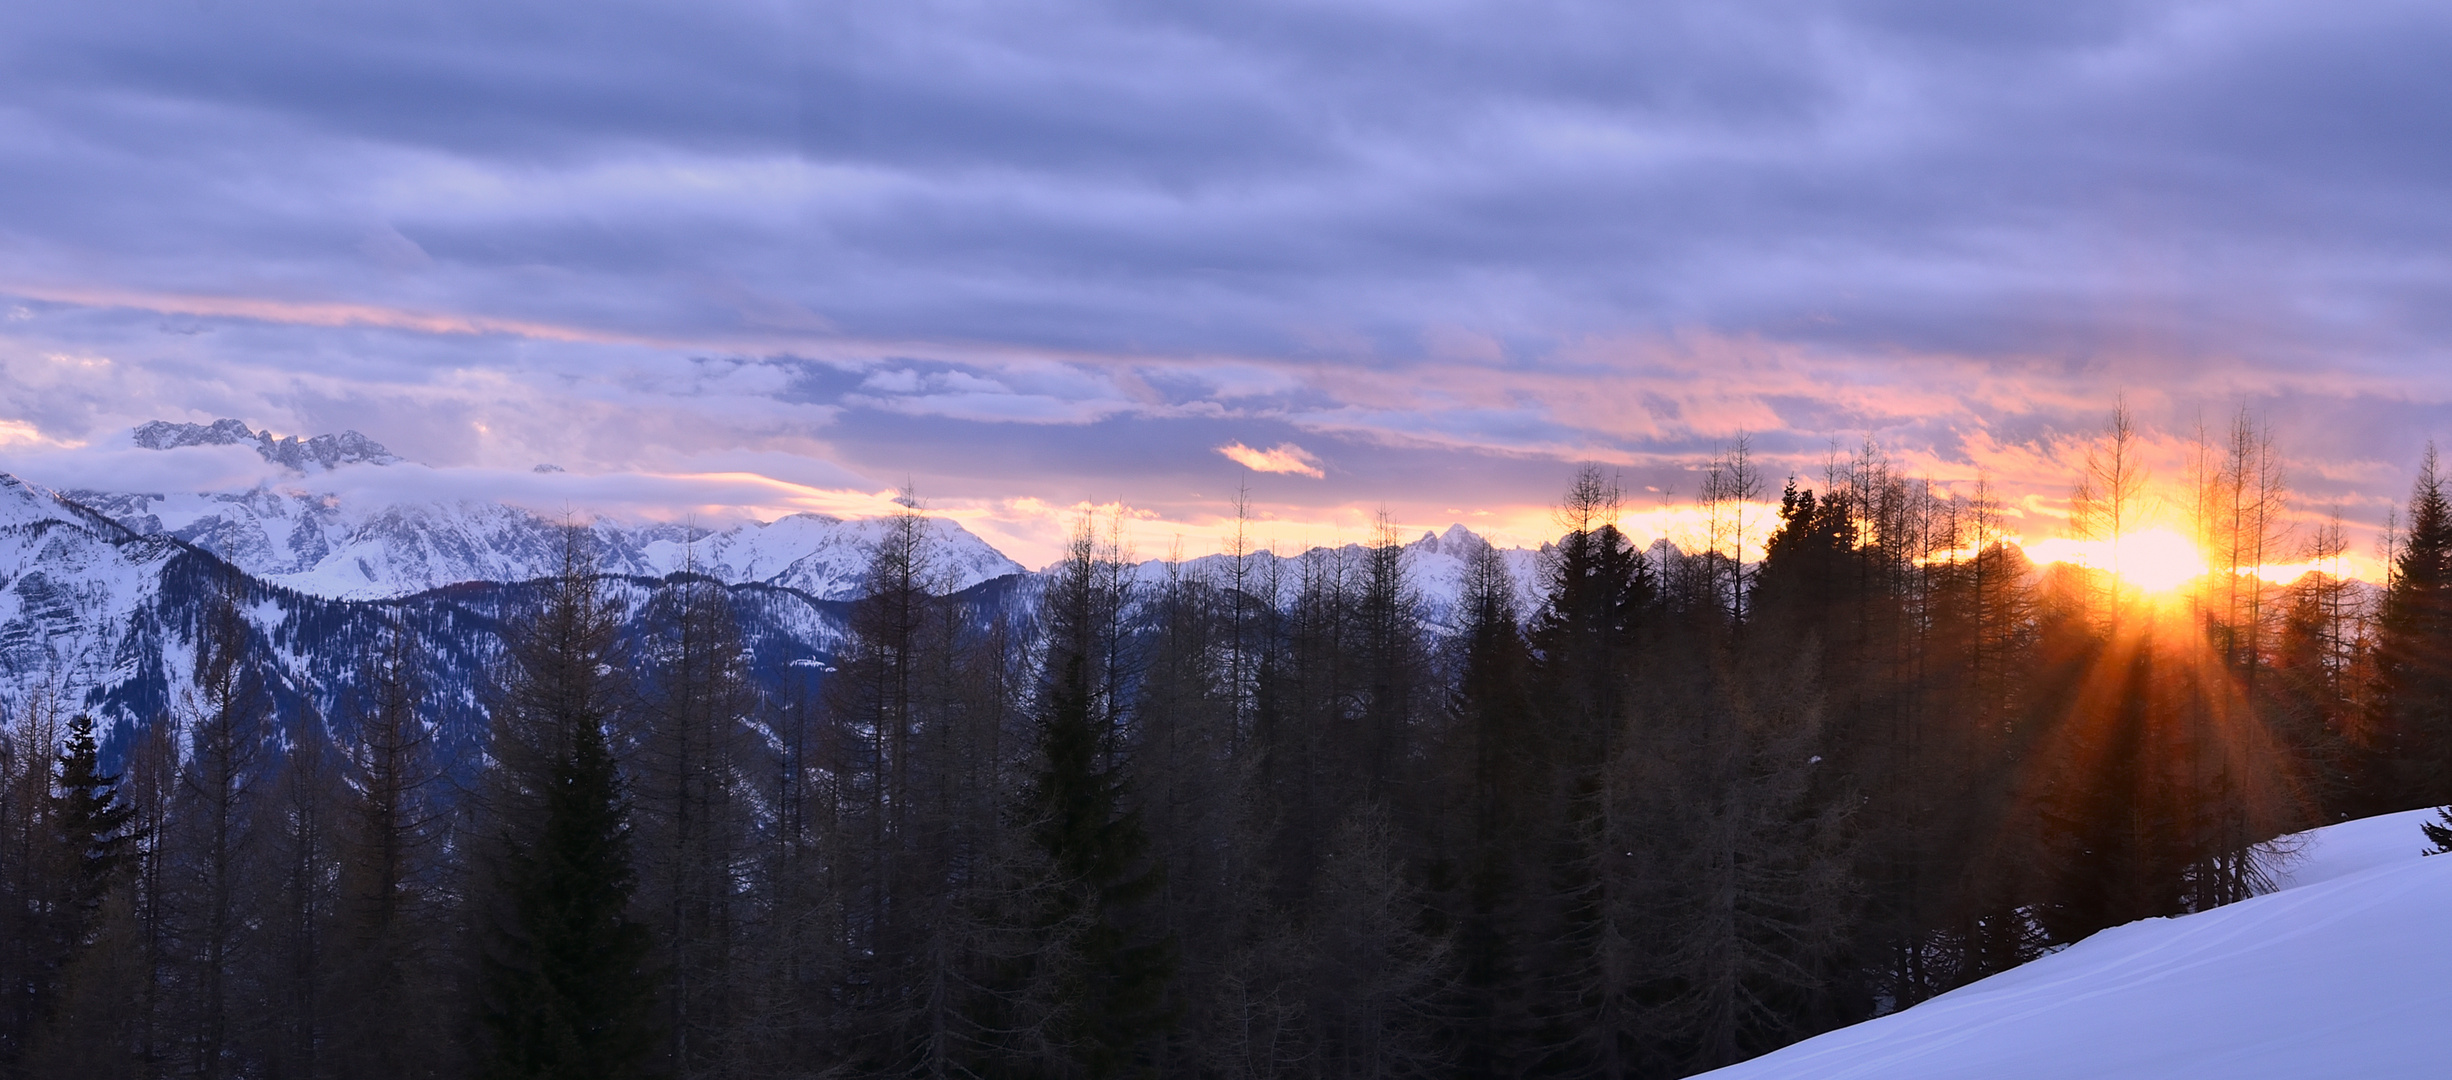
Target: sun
x=2155, y=560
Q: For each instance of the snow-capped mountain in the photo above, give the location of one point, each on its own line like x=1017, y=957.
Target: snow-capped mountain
x=297, y=536
x=1434, y=569
x=69, y=581
x=98, y=618
x=102, y=593
x=325, y=452
x=101, y=619
x=294, y=535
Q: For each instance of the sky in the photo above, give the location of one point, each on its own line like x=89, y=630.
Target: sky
x=1353, y=257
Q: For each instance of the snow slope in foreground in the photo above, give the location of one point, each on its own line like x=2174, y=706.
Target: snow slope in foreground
x=2346, y=971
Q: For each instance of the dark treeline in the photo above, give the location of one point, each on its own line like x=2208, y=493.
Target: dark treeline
x=1260, y=821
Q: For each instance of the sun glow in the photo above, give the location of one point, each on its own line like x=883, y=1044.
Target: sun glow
x=2154, y=560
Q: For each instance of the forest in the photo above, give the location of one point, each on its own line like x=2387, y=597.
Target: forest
x=1264, y=821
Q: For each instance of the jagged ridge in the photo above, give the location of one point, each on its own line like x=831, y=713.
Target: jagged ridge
x=311, y=541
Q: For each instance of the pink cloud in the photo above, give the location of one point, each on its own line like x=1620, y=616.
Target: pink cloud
x=1283, y=458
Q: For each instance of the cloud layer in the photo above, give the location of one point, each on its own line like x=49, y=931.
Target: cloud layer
x=1062, y=252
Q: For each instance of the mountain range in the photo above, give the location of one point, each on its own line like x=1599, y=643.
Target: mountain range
x=301, y=536
x=102, y=592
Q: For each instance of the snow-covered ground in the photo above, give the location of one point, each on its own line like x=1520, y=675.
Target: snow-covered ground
x=2345, y=971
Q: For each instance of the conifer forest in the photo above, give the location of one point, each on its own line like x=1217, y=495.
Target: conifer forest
x=1258, y=819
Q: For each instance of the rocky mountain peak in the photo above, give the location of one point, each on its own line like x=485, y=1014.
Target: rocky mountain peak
x=320, y=452
x=1457, y=541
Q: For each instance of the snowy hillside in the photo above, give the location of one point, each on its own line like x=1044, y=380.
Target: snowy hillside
x=300, y=536
x=2344, y=972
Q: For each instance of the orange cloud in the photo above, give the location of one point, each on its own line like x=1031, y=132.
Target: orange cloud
x=25, y=433
x=1284, y=458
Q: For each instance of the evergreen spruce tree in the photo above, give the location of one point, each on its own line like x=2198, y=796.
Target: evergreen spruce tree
x=563, y=993
x=94, y=825
x=1751, y=899
x=2414, y=631
x=2439, y=831
x=1113, y=1001
x=72, y=906
x=1586, y=644
x=1105, y=979
x=68, y=837
x=1498, y=779
x=1810, y=569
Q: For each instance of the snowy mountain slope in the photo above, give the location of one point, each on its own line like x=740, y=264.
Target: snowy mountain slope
x=105, y=619
x=109, y=622
x=300, y=536
x=2346, y=971
x=71, y=586
x=98, y=619
x=823, y=556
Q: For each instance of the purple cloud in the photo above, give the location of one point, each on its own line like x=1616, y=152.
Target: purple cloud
x=1063, y=250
